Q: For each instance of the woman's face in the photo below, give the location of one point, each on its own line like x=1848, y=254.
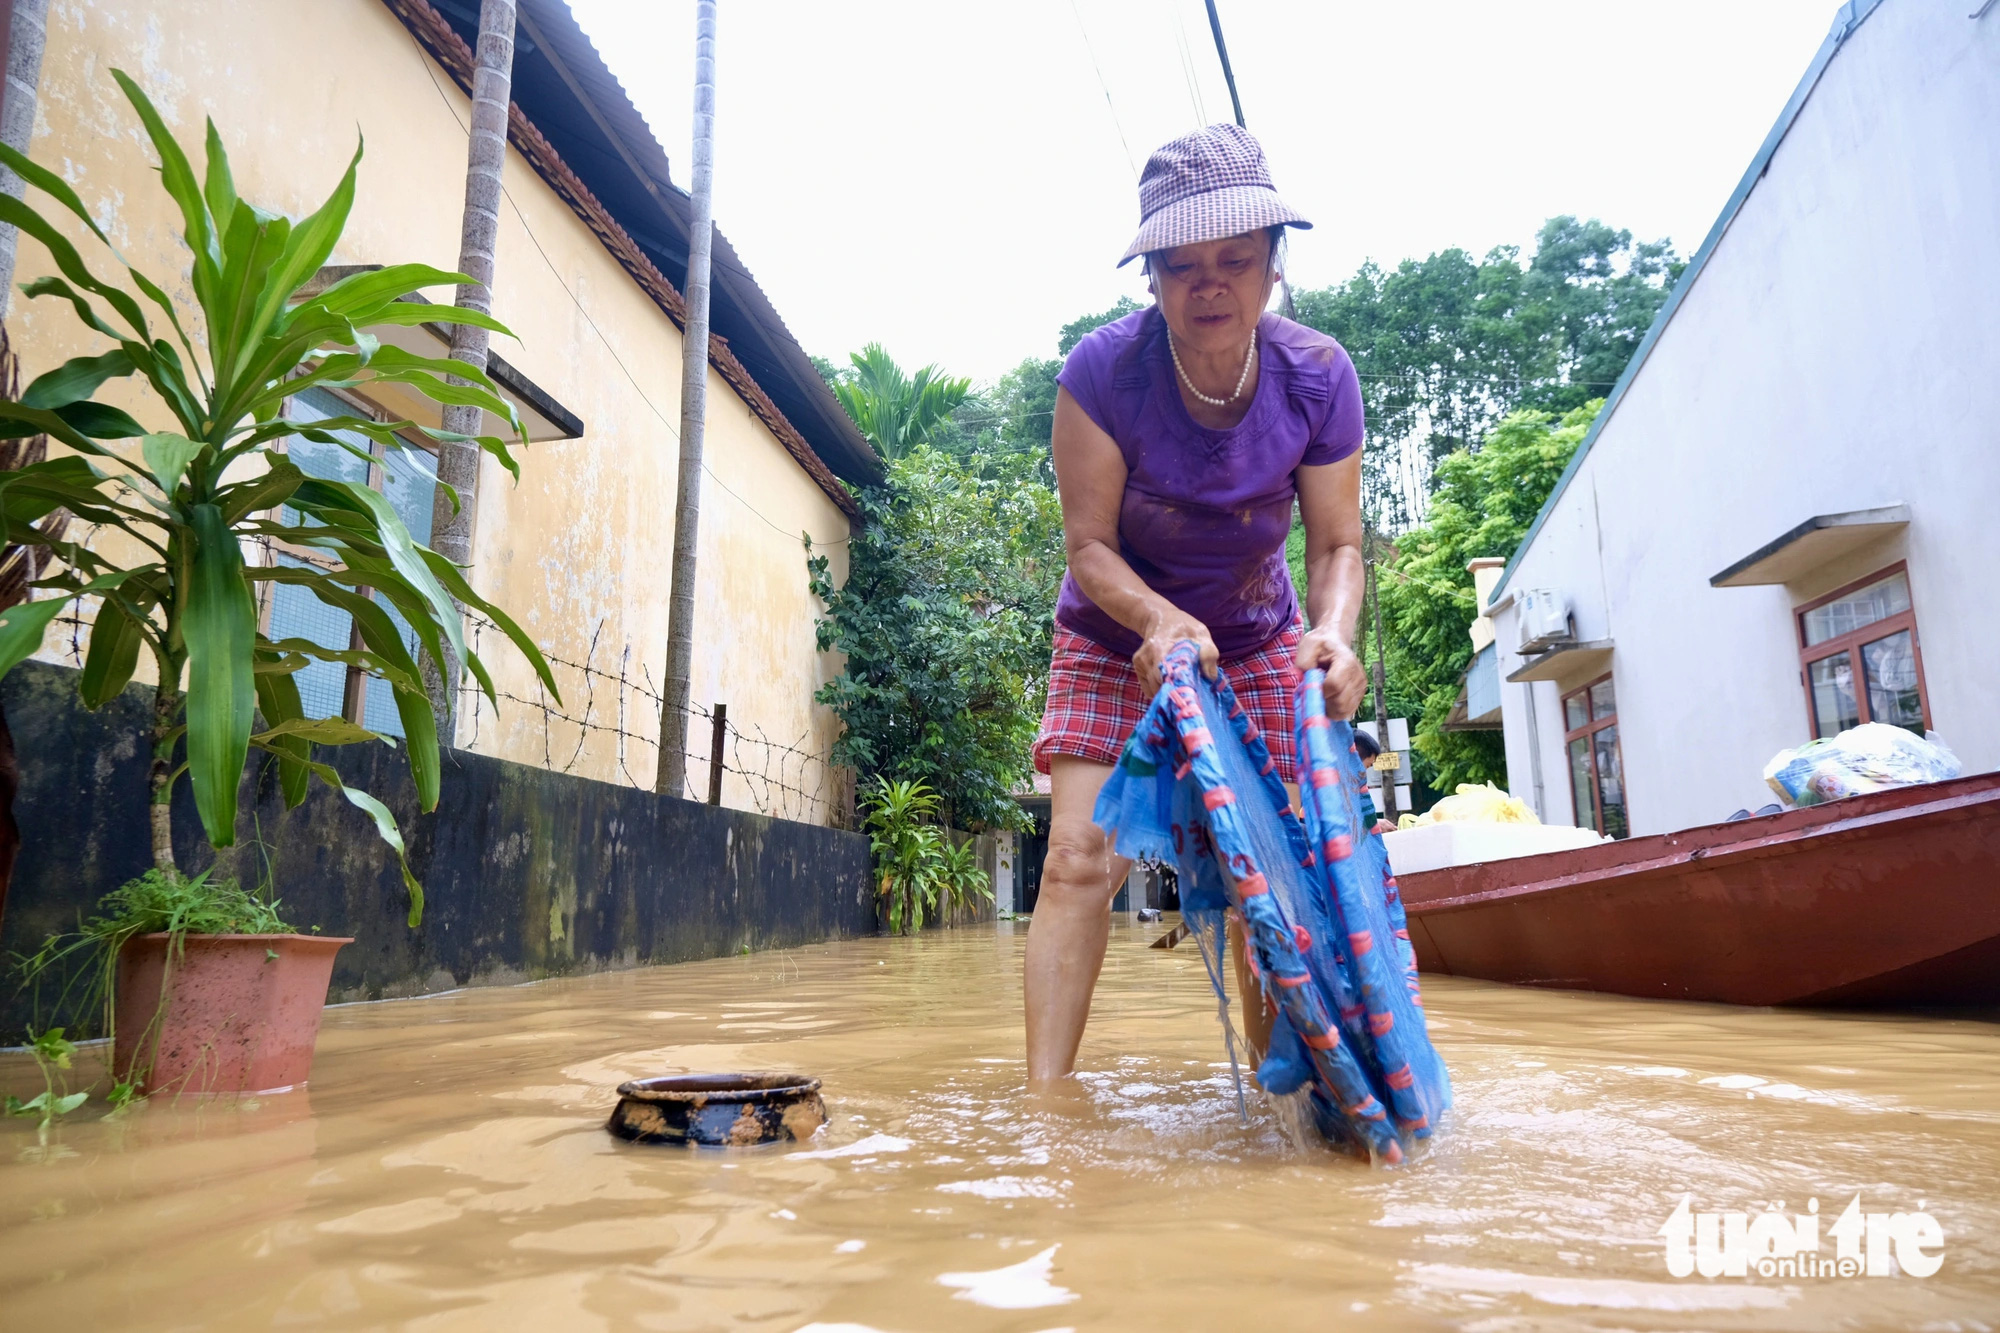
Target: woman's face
x=1213, y=293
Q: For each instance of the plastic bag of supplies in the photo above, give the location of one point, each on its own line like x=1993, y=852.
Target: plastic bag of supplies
x=1871, y=757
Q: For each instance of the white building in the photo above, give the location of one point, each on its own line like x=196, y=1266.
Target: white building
x=1787, y=517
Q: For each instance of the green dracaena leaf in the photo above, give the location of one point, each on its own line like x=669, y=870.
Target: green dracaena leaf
x=114, y=654
x=365, y=291
x=402, y=553
x=252, y=241
x=278, y=700
x=385, y=828
x=70, y=262
x=423, y=312
x=23, y=624
x=322, y=730
x=177, y=176
x=52, y=185
x=260, y=493
x=86, y=313
x=77, y=378
x=219, y=623
x=308, y=247
x=454, y=579
x=420, y=743
x=167, y=457
x=218, y=185
x=99, y=421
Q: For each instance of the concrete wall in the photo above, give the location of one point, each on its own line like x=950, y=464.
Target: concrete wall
x=1836, y=354
x=581, y=550
x=528, y=873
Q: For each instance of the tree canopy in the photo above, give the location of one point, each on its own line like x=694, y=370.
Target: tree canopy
x=1483, y=503
x=945, y=621
x=896, y=411
x=1447, y=346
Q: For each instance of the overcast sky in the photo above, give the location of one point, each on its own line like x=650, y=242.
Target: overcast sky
x=956, y=179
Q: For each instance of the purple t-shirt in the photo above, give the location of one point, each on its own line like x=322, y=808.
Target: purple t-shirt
x=1206, y=512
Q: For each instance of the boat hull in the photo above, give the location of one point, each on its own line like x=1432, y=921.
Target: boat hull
x=1890, y=899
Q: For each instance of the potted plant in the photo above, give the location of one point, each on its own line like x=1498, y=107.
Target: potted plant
x=183, y=502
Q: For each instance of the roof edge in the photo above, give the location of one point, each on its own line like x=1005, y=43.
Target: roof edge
x=443, y=44
x=1846, y=21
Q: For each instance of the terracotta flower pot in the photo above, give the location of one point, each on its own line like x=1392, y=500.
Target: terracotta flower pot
x=242, y=1011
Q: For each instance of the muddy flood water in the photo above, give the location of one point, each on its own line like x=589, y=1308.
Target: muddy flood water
x=449, y=1169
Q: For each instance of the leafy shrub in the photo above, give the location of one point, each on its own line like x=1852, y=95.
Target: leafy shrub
x=918, y=868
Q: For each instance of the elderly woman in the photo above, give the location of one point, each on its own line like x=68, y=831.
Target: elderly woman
x=1183, y=433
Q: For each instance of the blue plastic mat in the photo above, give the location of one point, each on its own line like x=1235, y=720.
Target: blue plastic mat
x=1197, y=788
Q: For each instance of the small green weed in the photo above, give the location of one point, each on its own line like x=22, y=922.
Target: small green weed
x=52, y=1052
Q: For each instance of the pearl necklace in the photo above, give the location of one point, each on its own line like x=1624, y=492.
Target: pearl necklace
x=1249, y=355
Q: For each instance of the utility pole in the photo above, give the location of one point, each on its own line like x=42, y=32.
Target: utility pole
x=25, y=37
x=672, y=779
x=479, y=231
x=1381, y=690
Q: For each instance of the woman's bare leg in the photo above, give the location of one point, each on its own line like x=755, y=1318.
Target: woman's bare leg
x=1072, y=919
x=1256, y=1015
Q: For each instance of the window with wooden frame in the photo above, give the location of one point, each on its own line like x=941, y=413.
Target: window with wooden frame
x=407, y=476
x=1859, y=659
x=1596, y=772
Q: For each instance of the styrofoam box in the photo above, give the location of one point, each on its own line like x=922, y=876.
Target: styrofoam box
x=1437, y=846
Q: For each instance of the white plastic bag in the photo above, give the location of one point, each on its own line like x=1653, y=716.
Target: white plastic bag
x=1871, y=757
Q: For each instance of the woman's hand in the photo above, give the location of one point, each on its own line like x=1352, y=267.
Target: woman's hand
x=1346, y=682
x=1166, y=629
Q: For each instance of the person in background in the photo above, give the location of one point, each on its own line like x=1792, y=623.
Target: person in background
x=1184, y=436
x=1371, y=818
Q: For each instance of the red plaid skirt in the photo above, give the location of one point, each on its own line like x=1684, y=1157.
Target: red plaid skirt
x=1095, y=700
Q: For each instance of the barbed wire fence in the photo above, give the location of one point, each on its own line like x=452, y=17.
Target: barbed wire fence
x=784, y=779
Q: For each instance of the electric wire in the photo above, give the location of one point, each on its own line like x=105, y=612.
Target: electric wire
x=424, y=59
x=1187, y=65
x=1091, y=51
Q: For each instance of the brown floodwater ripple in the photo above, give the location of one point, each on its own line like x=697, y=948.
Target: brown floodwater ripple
x=449, y=1167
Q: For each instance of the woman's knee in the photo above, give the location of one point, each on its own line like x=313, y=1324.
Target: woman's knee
x=1078, y=867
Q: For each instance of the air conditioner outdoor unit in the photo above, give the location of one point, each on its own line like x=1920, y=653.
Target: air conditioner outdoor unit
x=1544, y=618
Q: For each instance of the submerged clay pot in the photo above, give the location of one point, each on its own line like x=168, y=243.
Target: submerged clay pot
x=242, y=1011
x=734, y=1110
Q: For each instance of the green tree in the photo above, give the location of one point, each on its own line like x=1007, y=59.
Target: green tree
x=1484, y=502
x=1446, y=346
x=945, y=622
x=895, y=410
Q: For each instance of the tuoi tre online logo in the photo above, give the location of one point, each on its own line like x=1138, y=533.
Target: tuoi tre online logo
x=1777, y=1244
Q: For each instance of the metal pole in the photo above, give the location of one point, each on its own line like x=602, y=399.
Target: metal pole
x=25, y=37
x=672, y=780
x=715, y=745
x=1389, y=811
x=1229, y=75
x=479, y=233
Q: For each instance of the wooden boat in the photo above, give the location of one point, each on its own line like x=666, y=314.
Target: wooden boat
x=1890, y=899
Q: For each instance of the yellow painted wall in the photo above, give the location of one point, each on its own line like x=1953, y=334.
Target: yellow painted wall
x=580, y=552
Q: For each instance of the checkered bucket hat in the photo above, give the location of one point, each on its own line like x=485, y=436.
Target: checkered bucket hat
x=1206, y=186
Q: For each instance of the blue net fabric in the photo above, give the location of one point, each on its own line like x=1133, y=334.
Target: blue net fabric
x=1196, y=787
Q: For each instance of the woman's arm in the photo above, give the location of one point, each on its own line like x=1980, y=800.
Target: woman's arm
x=1090, y=476
x=1330, y=503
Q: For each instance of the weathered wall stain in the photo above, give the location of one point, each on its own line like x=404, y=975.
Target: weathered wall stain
x=529, y=873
